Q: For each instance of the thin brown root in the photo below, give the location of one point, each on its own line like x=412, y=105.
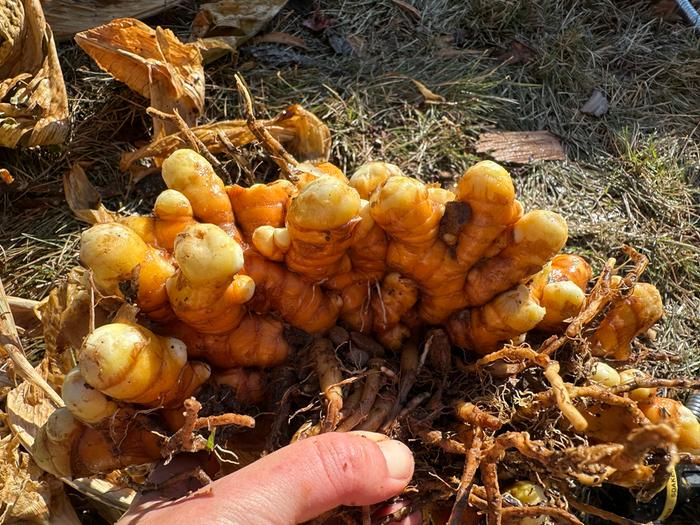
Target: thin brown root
x=436, y=438
x=410, y=366
x=329, y=378
x=414, y=403
x=690, y=384
x=601, y=294
x=474, y=416
x=471, y=464
x=224, y=419
x=563, y=400
x=369, y=395
x=494, y=500
x=377, y=415
x=185, y=439
x=599, y=513
x=511, y=514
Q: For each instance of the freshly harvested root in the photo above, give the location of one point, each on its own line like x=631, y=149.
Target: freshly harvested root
x=563, y=399
x=261, y=204
x=68, y=448
x=604, y=374
x=185, y=438
x=395, y=297
x=488, y=191
x=476, y=417
x=115, y=252
x=258, y=340
x=369, y=246
x=436, y=438
x=506, y=317
x=298, y=302
x=249, y=384
x=534, y=239
x=631, y=375
x=271, y=242
x=130, y=363
x=471, y=465
x=320, y=223
x=663, y=410
x=354, y=293
x=329, y=378
x=205, y=292
x=373, y=383
x=85, y=402
x=191, y=174
x=378, y=414
x=173, y=215
x=562, y=267
x=372, y=175
x=560, y=288
x=409, y=214
x=400, y=265
x=367, y=255
x=403, y=208
x=627, y=318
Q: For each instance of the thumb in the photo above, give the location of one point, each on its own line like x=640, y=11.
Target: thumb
x=296, y=483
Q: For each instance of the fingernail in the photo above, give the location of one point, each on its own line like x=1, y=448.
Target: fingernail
x=398, y=457
x=372, y=436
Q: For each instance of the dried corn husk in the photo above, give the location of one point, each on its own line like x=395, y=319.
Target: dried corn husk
x=33, y=102
x=223, y=26
x=152, y=62
x=301, y=133
x=68, y=17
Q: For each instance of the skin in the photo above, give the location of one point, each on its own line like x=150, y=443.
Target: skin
x=292, y=485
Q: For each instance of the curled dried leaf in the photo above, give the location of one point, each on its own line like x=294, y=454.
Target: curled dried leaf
x=225, y=25
x=33, y=102
x=28, y=409
x=152, y=62
x=83, y=199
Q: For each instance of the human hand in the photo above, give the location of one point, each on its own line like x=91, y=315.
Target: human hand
x=292, y=485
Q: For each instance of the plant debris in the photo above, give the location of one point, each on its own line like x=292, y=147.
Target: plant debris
x=223, y=26
x=152, y=62
x=520, y=147
x=597, y=105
